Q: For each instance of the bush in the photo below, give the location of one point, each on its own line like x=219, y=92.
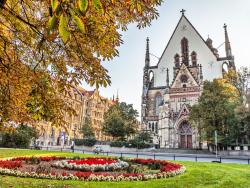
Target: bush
x=85, y=142
x=135, y=143
x=117, y=144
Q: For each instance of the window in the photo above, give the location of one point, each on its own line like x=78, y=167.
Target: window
x=156, y=127
x=194, y=58
x=158, y=103
x=184, y=50
x=184, y=78
x=151, y=78
x=177, y=60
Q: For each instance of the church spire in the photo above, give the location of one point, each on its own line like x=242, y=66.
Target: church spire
x=147, y=57
x=117, y=96
x=227, y=43
x=201, y=74
x=167, y=78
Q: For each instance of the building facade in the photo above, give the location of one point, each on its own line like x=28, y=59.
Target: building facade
x=87, y=104
x=172, y=86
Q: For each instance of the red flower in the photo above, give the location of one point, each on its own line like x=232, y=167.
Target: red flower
x=83, y=175
x=167, y=166
x=10, y=164
x=64, y=174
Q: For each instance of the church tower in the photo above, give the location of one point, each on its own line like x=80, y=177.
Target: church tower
x=175, y=84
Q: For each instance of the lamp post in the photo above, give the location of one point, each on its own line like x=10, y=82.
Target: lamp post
x=216, y=142
x=73, y=146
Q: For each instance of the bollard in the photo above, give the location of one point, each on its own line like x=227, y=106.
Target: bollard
x=220, y=159
x=82, y=151
x=121, y=155
x=154, y=156
x=107, y=153
x=196, y=158
x=248, y=160
x=174, y=157
x=137, y=155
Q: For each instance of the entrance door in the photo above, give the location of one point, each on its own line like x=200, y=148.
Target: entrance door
x=185, y=132
x=189, y=141
x=183, y=141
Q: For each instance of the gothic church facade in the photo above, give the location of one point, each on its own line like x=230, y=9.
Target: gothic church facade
x=172, y=86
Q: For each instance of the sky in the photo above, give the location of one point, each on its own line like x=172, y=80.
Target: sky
x=207, y=16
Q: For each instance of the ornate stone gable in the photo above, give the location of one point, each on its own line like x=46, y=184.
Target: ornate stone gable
x=184, y=111
x=184, y=79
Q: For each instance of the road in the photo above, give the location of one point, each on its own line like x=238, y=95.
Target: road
x=169, y=156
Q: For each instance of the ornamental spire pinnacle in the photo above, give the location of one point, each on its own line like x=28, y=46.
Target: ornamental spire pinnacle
x=227, y=43
x=167, y=80
x=117, y=96
x=147, y=57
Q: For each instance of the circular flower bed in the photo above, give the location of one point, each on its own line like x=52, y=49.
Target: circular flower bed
x=90, y=169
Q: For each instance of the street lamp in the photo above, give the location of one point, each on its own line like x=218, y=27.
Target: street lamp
x=74, y=131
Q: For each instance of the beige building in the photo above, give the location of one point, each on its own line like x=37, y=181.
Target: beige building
x=86, y=104
x=96, y=107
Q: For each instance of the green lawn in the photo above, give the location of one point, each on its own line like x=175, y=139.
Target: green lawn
x=197, y=175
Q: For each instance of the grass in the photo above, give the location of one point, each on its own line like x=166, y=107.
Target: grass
x=198, y=175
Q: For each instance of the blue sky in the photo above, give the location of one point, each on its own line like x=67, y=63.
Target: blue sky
x=207, y=16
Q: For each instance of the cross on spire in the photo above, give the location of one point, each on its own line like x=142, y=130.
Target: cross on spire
x=183, y=11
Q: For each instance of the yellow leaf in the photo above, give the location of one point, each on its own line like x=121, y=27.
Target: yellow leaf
x=79, y=23
x=83, y=5
x=63, y=28
x=54, y=4
x=52, y=23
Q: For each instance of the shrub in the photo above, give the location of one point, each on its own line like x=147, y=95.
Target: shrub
x=85, y=142
x=117, y=144
x=135, y=143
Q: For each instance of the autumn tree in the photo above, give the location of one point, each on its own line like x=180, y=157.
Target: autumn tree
x=46, y=46
x=215, y=111
x=243, y=109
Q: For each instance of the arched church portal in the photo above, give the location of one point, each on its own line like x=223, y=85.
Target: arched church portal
x=185, y=133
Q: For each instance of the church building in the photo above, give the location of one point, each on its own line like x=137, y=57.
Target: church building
x=175, y=84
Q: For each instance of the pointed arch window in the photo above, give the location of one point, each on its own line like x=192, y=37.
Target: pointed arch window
x=177, y=60
x=184, y=51
x=194, y=58
x=156, y=127
x=151, y=78
x=158, y=103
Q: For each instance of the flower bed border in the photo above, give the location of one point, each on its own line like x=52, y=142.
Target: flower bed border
x=72, y=165
x=92, y=176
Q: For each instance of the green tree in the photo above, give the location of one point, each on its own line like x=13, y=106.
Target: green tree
x=120, y=121
x=87, y=129
x=243, y=109
x=19, y=137
x=215, y=111
x=144, y=137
